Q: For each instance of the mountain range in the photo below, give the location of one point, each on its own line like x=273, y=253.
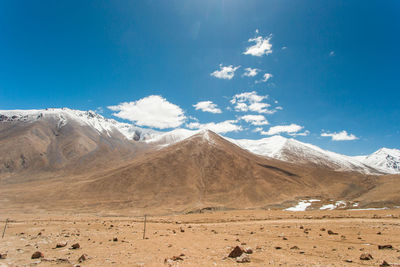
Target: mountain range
x=70, y=159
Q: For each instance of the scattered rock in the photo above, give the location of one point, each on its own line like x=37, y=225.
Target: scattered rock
x=330, y=232
x=385, y=247
x=384, y=264
x=248, y=250
x=115, y=239
x=61, y=244
x=348, y=260
x=294, y=247
x=3, y=256
x=75, y=246
x=83, y=258
x=278, y=247
x=236, y=252
x=284, y=238
x=323, y=229
x=366, y=257
x=378, y=233
x=37, y=255
x=243, y=259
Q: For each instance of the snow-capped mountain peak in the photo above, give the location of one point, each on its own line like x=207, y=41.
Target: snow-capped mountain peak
x=86, y=118
x=384, y=159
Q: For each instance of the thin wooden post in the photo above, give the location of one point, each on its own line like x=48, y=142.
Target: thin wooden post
x=144, y=227
x=5, y=226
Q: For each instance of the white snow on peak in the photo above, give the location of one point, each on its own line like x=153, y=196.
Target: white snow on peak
x=88, y=118
x=172, y=137
x=385, y=159
x=288, y=149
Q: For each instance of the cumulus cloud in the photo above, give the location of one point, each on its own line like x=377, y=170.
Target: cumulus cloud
x=340, y=136
x=220, y=127
x=225, y=72
x=255, y=119
x=249, y=72
x=265, y=78
x=262, y=46
x=207, y=106
x=251, y=101
x=289, y=129
x=152, y=111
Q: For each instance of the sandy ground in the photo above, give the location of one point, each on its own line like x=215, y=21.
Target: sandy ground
x=277, y=238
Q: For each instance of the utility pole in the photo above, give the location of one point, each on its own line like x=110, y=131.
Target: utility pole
x=144, y=227
x=5, y=226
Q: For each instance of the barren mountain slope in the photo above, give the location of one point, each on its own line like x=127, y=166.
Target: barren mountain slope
x=205, y=170
x=54, y=146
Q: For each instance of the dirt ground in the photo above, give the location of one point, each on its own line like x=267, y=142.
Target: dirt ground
x=276, y=238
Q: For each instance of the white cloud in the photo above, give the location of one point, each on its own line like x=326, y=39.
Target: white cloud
x=220, y=127
x=251, y=101
x=284, y=47
x=261, y=47
x=332, y=53
x=258, y=129
x=249, y=72
x=225, y=72
x=290, y=129
x=266, y=77
x=279, y=108
x=305, y=133
x=340, y=136
x=261, y=108
x=152, y=111
x=251, y=97
x=207, y=106
x=255, y=119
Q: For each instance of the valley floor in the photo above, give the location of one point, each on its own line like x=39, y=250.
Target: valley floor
x=276, y=238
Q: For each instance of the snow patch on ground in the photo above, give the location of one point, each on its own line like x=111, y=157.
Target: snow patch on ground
x=332, y=206
x=302, y=205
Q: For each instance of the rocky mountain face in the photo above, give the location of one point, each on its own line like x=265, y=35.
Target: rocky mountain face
x=385, y=159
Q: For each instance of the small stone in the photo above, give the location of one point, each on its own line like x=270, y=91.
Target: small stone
x=384, y=264
x=115, y=239
x=278, y=247
x=75, y=246
x=248, y=250
x=236, y=252
x=366, y=257
x=61, y=244
x=294, y=247
x=83, y=258
x=385, y=246
x=330, y=232
x=243, y=259
x=3, y=256
x=348, y=260
x=37, y=255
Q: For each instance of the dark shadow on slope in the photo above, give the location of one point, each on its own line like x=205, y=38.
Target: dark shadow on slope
x=277, y=169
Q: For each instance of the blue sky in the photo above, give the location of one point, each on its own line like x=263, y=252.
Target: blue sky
x=333, y=65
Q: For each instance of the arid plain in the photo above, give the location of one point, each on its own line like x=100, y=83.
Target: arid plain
x=276, y=238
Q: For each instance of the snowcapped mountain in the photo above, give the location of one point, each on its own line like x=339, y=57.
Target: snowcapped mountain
x=385, y=159
x=291, y=150
x=87, y=118
x=277, y=147
x=281, y=148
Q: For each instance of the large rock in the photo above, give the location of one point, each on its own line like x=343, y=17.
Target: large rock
x=236, y=252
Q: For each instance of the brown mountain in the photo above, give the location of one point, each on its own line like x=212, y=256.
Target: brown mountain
x=202, y=171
